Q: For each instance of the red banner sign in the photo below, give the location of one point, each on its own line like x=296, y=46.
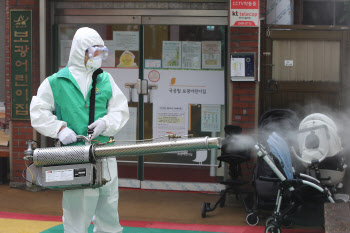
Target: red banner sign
x=244, y=13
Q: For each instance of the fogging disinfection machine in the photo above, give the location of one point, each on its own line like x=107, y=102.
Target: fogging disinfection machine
x=76, y=167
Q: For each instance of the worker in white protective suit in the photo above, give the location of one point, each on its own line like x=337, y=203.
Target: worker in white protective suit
x=61, y=110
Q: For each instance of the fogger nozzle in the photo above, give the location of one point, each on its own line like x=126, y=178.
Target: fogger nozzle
x=90, y=153
x=158, y=147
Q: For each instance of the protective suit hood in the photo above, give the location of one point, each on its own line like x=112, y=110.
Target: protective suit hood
x=83, y=38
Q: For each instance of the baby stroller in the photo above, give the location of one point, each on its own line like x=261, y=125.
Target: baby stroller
x=290, y=186
x=320, y=152
x=234, y=153
x=285, y=123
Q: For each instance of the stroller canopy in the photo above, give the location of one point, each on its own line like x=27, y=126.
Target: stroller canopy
x=277, y=120
x=318, y=137
x=280, y=149
x=282, y=121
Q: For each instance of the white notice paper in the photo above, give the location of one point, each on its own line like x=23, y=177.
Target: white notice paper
x=211, y=54
x=153, y=63
x=170, y=120
x=126, y=40
x=191, y=55
x=237, y=67
x=171, y=54
x=210, y=118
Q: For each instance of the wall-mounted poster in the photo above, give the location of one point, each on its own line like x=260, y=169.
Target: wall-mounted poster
x=211, y=54
x=191, y=55
x=210, y=118
x=127, y=59
x=171, y=54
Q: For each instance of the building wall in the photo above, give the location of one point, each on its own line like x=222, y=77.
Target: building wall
x=21, y=131
x=244, y=101
x=2, y=52
x=244, y=94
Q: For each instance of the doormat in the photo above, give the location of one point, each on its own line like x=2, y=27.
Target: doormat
x=31, y=223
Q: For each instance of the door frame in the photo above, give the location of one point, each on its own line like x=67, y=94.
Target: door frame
x=142, y=16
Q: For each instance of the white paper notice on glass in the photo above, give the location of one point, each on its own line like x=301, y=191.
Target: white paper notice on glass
x=171, y=54
x=237, y=67
x=170, y=120
x=153, y=63
x=191, y=55
x=210, y=117
x=126, y=40
x=211, y=54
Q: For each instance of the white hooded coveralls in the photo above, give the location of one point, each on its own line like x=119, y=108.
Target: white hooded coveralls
x=83, y=205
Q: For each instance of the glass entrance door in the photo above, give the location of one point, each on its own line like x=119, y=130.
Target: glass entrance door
x=185, y=69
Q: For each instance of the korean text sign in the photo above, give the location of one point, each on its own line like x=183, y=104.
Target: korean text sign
x=21, y=63
x=244, y=13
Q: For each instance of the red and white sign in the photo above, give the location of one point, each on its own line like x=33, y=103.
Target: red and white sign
x=153, y=76
x=244, y=13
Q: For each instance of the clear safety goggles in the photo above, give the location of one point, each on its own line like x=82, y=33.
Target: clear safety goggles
x=93, y=52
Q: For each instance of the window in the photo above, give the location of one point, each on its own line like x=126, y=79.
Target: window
x=157, y=35
x=326, y=12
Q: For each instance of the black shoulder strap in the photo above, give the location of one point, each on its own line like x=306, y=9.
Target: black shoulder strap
x=92, y=97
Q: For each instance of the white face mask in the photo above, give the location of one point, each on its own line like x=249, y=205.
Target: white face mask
x=94, y=64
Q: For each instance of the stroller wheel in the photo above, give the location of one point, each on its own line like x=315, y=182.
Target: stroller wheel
x=269, y=221
x=272, y=229
x=252, y=219
x=287, y=223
